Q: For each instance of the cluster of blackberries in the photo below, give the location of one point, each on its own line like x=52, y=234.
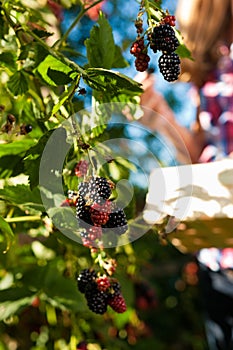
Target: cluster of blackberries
x=96, y=214
x=163, y=39
x=139, y=50
x=101, y=291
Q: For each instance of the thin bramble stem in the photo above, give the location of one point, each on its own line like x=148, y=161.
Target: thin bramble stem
x=64, y=37
x=23, y=218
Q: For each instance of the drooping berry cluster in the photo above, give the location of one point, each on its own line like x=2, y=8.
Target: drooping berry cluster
x=81, y=168
x=96, y=214
x=101, y=291
x=163, y=39
x=139, y=50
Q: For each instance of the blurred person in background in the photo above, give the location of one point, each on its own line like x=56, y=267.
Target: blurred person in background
x=207, y=30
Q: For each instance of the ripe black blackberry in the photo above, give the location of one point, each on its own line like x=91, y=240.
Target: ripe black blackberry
x=169, y=66
x=86, y=278
x=83, y=189
x=162, y=31
x=95, y=189
x=97, y=300
x=100, y=188
x=163, y=38
x=117, y=221
x=116, y=287
x=83, y=212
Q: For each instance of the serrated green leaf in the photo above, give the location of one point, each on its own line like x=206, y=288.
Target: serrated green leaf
x=183, y=52
x=156, y=4
x=10, y=308
x=32, y=159
x=62, y=292
x=63, y=98
x=51, y=70
x=113, y=82
x=8, y=59
x=23, y=197
x=13, y=300
x=31, y=168
x=58, y=77
x=6, y=230
x=16, y=147
x=10, y=166
x=100, y=46
x=18, y=83
x=42, y=33
x=40, y=53
x=119, y=61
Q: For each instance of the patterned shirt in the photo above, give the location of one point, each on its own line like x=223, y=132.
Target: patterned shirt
x=216, y=118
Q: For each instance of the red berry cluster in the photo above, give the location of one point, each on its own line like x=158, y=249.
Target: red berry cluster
x=101, y=291
x=168, y=19
x=100, y=213
x=96, y=214
x=139, y=50
x=81, y=168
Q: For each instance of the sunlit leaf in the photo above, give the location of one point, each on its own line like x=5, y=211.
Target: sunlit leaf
x=55, y=72
x=6, y=230
x=10, y=308
x=114, y=82
x=18, y=83
x=22, y=196
x=119, y=61
x=100, y=45
x=8, y=59
x=16, y=147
